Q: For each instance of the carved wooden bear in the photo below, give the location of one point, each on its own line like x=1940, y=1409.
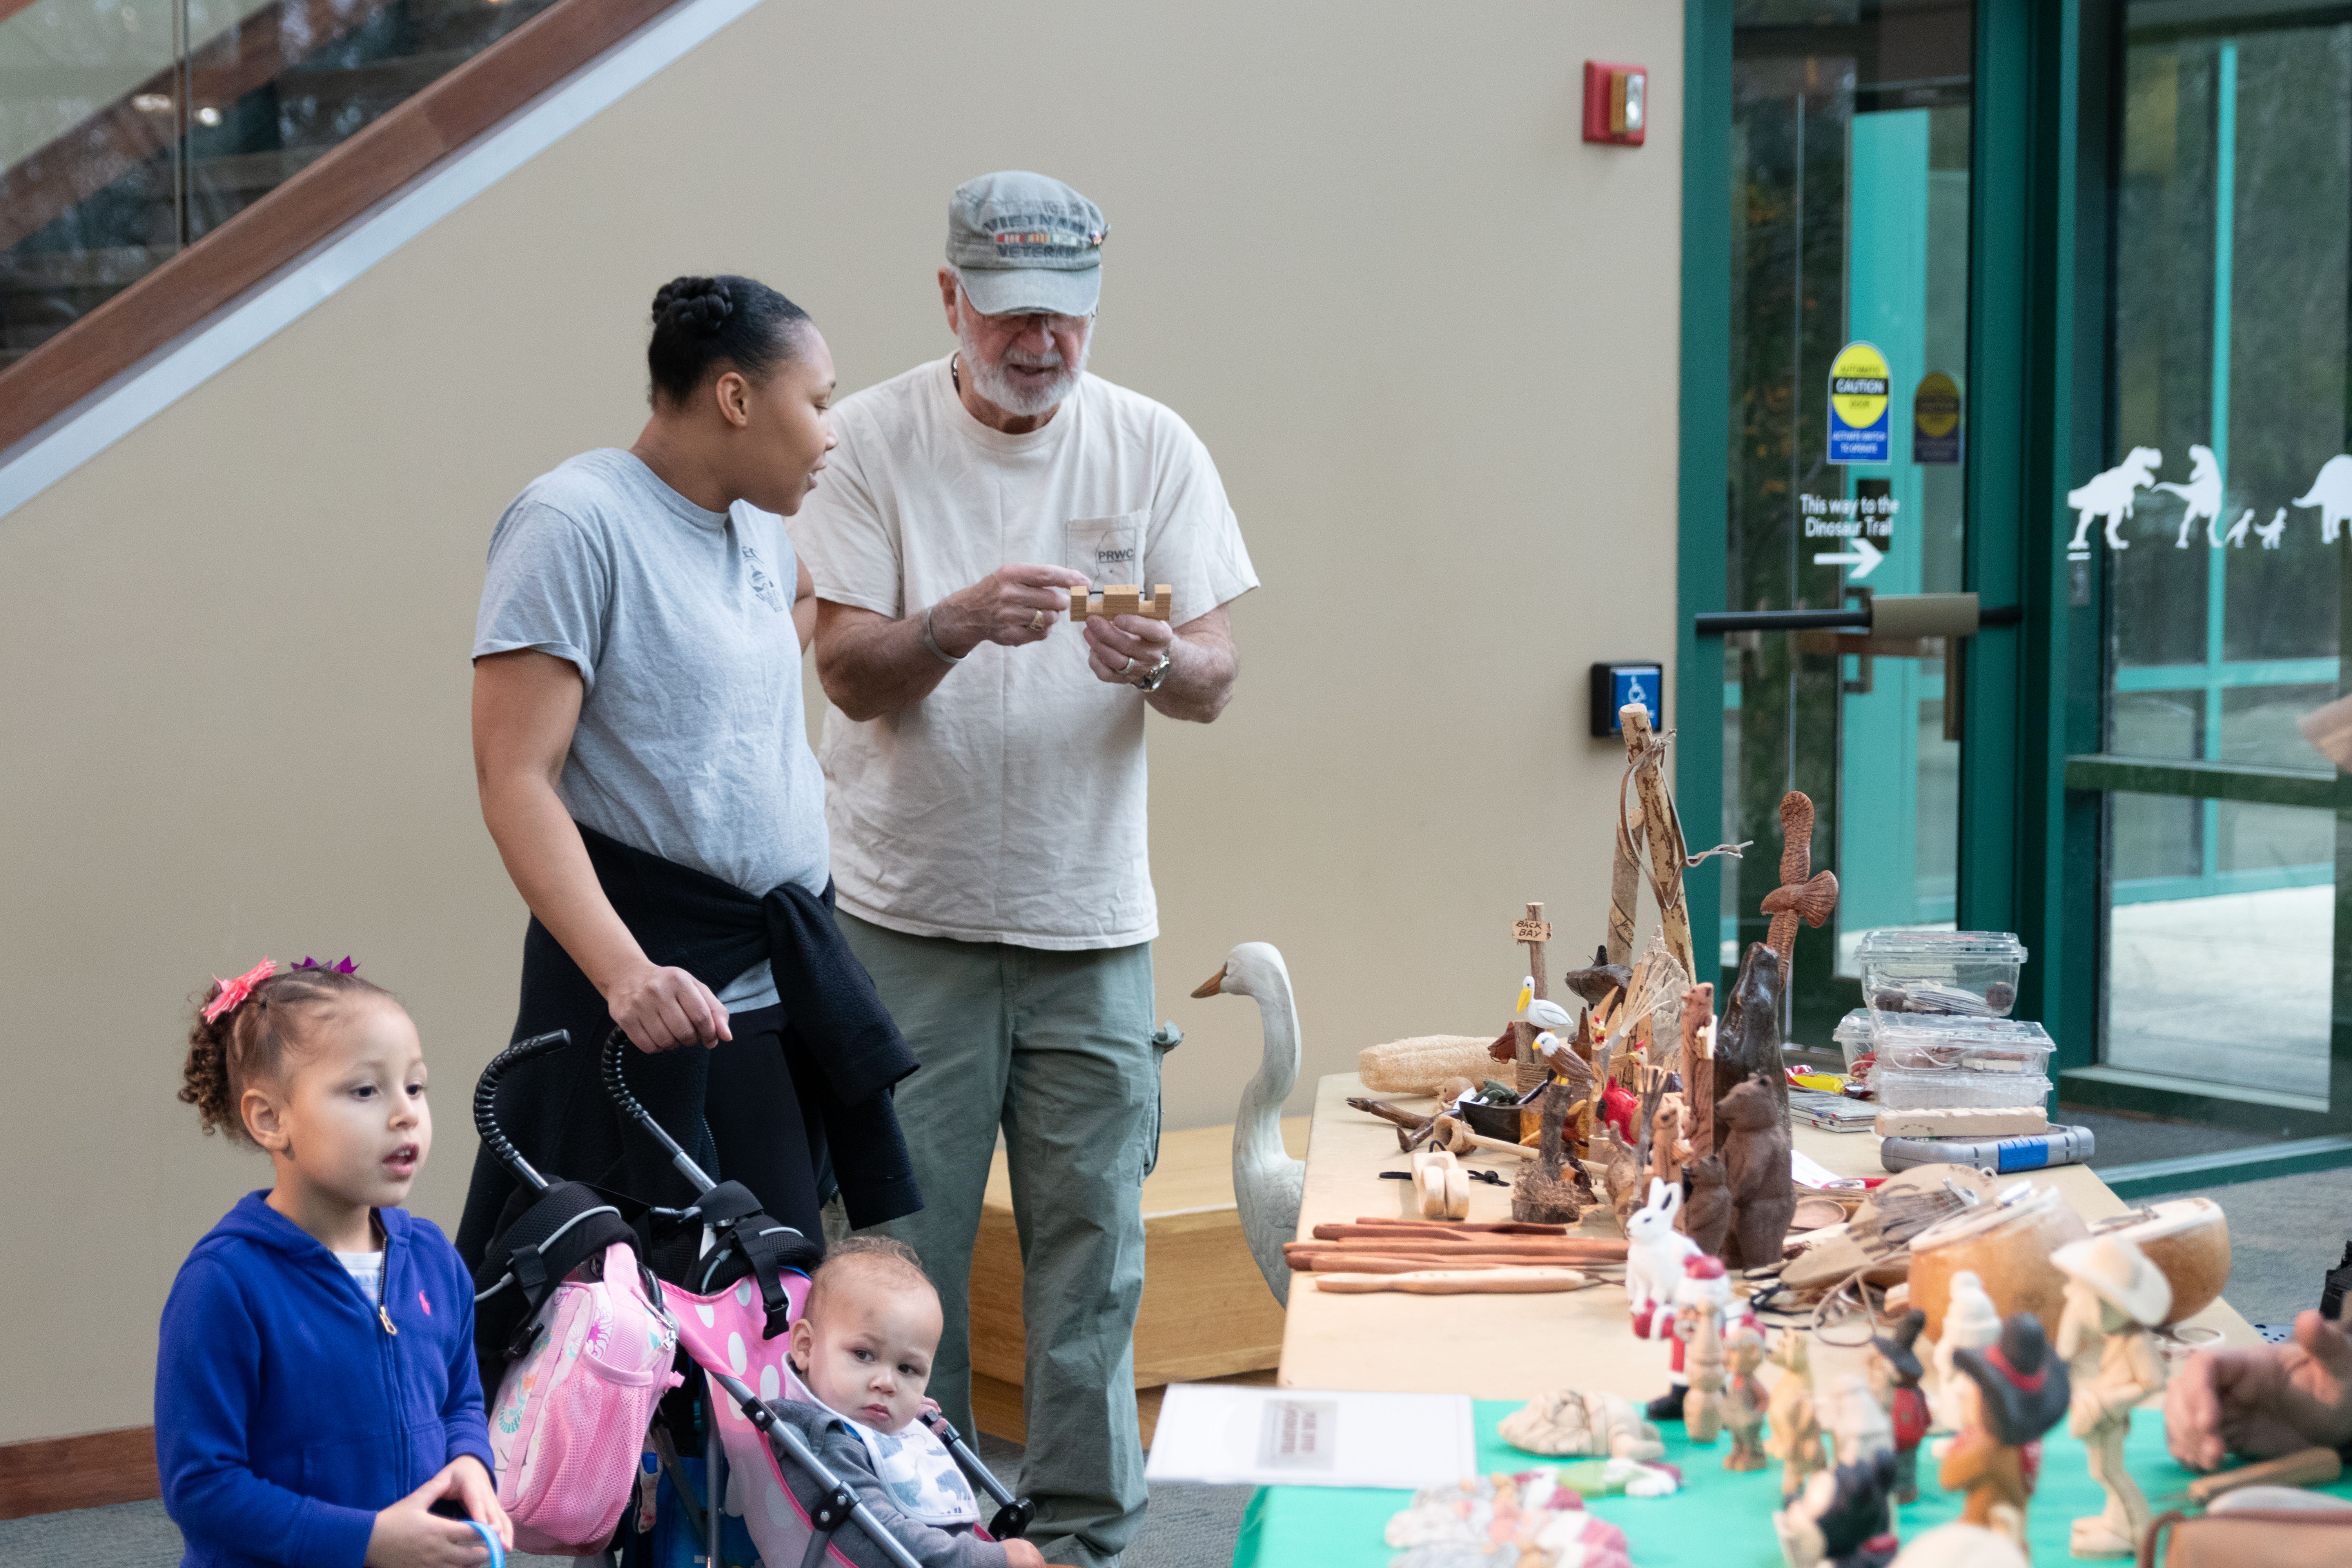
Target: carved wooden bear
x=1707, y=1216
x=1755, y=1146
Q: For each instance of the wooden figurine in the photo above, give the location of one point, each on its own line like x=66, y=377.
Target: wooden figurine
x=1748, y=1042
x=1894, y=1373
x=1971, y=1323
x=1756, y=1166
x=1796, y=1439
x=1799, y=896
x=1744, y=1399
x=1706, y=1213
x=1698, y=1334
x=1702, y=1306
x=1542, y=1194
x=2016, y=1390
x=2114, y=1297
x=1665, y=1139
x=1842, y=1519
x=1654, y=1255
x=1858, y=1424
x=1605, y=979
x=1620, y=1175
x=1122, y=599
x=1441, y=1183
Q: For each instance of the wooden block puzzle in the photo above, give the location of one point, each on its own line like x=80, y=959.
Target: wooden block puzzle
x=1123, y=599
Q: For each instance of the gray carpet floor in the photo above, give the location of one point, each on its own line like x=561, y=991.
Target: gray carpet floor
x=1187, y=1527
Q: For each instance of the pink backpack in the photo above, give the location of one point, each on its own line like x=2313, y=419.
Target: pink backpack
x=571, y=1415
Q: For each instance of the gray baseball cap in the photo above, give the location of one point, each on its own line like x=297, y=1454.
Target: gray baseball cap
x=1023, y=242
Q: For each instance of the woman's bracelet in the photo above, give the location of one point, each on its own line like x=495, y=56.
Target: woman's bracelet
x=933, y=643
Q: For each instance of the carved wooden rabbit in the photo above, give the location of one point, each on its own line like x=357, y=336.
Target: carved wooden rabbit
x=1654, y=1252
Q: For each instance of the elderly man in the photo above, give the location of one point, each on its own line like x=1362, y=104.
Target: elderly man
x=986, y=765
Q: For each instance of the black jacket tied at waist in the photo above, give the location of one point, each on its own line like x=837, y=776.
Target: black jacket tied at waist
x=844, y=1051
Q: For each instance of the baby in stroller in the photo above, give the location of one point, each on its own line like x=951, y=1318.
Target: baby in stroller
x=862, y=1349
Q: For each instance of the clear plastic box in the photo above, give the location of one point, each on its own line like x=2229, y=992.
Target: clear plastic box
x=1895, y=1090
x=1928, y=1042
x=1853, y=1035
x=1971, y=973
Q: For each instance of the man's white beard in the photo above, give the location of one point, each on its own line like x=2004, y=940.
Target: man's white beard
x=1026, y=400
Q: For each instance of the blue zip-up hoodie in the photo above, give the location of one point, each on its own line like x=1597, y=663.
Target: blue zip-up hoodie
x=288, y=1409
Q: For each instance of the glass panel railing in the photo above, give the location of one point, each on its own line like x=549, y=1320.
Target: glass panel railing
x=129, y=131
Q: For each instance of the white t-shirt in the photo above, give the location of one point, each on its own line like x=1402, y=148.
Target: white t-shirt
x=1009, y=805
x=366, y=1270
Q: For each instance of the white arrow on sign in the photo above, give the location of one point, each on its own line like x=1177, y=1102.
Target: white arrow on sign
x=1863, y=558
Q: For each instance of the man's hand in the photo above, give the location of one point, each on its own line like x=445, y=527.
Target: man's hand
x=1011, y=605
x=661, y=1009
x=1122, y=649
x=409, y=1534
x=2265, y=1400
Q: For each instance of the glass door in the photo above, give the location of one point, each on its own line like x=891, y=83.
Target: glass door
x=1848, y=421
x=2214, y=522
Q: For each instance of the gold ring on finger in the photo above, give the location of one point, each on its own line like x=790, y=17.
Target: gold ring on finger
x=1037, y=620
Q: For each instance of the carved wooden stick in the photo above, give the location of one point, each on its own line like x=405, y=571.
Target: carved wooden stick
x=1698, y=1068
x=1667, y=850
x=1458, y=1282
x=1624, y=880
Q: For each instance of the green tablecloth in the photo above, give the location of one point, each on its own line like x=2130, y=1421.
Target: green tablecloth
x=1718, y=1519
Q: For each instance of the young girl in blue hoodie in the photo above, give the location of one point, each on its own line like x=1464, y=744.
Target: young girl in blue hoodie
x=315, y=1390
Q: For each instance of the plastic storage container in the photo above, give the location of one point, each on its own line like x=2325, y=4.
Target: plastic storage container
x=1896, y=1089
x=1928, y=1042
x=1973, y=974
x=1853, y=1035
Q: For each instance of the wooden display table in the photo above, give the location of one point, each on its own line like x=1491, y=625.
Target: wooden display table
x=1514, y=1347
x=1206, y=1311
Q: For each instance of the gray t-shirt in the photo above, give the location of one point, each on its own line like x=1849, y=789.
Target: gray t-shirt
x=691, y=741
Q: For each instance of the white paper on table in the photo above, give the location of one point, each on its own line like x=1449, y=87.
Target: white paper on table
x=1813, y=1174
x=1227, y=1434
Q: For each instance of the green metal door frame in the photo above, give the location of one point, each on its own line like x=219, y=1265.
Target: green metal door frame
x=2039, y=364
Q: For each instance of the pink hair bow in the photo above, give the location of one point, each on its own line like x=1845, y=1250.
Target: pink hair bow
x=236, y=991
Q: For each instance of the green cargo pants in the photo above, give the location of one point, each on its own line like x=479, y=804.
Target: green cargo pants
x=1056, y=1049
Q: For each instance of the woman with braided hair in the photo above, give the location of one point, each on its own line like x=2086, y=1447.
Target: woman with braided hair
x=644, y=768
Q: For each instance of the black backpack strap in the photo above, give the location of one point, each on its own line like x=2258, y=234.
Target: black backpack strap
x=750, y=1242
x=570, y=1223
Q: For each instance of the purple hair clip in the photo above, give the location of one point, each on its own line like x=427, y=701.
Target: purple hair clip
x=347, y=966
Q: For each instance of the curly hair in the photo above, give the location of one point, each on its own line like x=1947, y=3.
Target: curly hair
x=251, y=1042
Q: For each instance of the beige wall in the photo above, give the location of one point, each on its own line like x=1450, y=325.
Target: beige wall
x=1429, y=336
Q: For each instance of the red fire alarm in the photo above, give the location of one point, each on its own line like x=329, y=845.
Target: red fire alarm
x=1616, y=103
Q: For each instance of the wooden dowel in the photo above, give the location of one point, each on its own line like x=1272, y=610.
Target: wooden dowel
x=1331, y=1230
x=1457, y=1282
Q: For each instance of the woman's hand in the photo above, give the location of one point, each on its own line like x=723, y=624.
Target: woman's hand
x=1011, y=605
x=661, y=1009
x=409, y=1534
x=2263, y=1400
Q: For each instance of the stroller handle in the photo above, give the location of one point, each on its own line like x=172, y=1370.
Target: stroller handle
x=486, y=1095
x=785, y=1439
x=616, y=1085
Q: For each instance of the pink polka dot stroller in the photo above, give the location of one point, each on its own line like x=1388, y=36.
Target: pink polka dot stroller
x=732, y=1319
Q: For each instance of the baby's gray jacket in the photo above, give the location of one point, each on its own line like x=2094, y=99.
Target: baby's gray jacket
x=842, y=1453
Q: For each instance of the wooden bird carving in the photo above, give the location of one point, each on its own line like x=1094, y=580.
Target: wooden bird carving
x=1799, y=896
